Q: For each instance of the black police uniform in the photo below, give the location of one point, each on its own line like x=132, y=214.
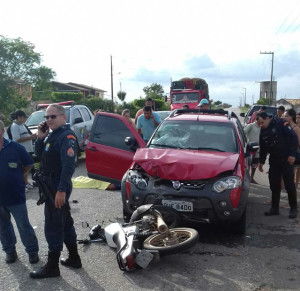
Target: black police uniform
x=280, y=141
x=57, y=152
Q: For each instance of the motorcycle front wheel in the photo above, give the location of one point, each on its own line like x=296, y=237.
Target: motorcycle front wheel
x=180, y=240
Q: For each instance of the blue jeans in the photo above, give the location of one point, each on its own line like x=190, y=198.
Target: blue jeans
x=7, y=234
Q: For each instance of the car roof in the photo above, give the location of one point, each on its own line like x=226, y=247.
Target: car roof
x=203, y=115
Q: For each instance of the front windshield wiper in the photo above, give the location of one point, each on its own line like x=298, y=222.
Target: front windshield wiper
x=165, y=146
x=205, y=148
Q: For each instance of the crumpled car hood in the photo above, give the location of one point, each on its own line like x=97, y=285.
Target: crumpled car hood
x=172, y=164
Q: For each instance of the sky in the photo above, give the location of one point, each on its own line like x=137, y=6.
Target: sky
x=162, y=40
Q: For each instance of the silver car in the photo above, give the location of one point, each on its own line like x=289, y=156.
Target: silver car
x=79, y=117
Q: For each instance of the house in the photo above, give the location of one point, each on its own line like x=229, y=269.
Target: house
x=23, y=88
x=289, y=103
x=74, y=87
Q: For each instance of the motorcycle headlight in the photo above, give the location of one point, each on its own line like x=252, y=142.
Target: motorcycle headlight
x=136, y=179
x=227, y=183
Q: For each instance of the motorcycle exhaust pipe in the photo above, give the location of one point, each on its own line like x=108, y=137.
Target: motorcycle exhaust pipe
x=161, y=225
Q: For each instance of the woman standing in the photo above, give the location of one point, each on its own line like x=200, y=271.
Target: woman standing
x=126, y=114
x=290, y=117
x=21, y=135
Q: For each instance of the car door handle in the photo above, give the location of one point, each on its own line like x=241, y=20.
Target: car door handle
x=93, y=149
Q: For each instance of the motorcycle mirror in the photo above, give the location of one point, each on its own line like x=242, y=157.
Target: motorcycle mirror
x=84, y=224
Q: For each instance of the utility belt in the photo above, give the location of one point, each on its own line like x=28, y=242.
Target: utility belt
x=47, y=190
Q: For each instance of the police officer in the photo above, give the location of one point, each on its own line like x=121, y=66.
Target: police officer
x=57, y=150
x=279, y=140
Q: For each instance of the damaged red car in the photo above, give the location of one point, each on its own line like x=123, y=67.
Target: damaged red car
x=196, y=162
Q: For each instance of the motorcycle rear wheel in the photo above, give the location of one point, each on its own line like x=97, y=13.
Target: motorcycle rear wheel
x=187, y=237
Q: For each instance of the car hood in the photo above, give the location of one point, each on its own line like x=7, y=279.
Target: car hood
x=174, y=164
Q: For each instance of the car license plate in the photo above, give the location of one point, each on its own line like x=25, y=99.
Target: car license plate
x=179, y=205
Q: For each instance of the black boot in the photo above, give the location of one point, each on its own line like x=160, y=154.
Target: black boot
x=272, y=211
x=293, y=213
x=50, y=269
x=73, y=260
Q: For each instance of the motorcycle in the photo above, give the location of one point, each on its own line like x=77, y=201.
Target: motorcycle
x=145, y=238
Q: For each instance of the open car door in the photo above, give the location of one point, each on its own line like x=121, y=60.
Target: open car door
x=107, y=155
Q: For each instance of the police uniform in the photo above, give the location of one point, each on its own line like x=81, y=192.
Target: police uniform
x=280, y=141
x=57, y=152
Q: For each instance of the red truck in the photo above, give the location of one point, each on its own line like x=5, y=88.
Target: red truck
x=188, y=91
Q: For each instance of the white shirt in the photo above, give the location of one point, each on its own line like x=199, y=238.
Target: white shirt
x=18, y=131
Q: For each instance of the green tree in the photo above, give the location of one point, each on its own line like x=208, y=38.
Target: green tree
x=263, y=101
x=121, y=95
x=42, y=77
x=154, y=91
x=217, y=103
x=19, y=66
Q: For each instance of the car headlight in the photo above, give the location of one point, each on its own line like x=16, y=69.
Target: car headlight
x=136, y=179
x=227, y=183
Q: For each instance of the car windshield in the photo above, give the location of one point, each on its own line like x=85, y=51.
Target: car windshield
x=195, y=135
x=163, y=114
x=36, y=117
x=187, y=97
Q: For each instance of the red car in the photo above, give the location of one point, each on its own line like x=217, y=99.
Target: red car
x=196, y=162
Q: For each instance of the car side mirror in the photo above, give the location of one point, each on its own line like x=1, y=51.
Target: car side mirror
x=252, y=147
x=78, y=120
x=131, y=143
x=242, y=114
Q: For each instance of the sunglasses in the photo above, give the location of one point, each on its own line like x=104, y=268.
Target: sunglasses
x=51, y=116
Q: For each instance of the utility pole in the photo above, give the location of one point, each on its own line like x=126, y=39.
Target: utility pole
x=243, y=98
x=271, y=93
x=111, y=81
x=245, y=95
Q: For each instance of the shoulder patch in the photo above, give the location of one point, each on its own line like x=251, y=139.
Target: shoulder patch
x=70, y=136
x=70, y=152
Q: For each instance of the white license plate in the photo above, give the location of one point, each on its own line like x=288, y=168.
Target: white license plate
x=144, y=258
x=179, y=205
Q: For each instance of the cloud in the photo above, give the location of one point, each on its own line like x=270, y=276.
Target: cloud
x=287, y=64
x=145, y=75
x=196, y=65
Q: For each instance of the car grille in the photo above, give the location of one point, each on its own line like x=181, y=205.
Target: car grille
x=183, y=184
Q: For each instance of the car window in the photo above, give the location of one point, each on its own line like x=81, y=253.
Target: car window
x=111, y=132
x=67, y=114
x=163, y=114
x=35, y=118
x=76, y=114
x=202, y=135
x=86, y=114
x=241, y=133
x=272, y=111
x=253, y=109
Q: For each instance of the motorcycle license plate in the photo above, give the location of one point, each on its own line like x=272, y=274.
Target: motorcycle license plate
x=144, y=258
x=179, y=205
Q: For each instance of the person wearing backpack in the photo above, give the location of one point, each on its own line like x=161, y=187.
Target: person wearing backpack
x=20, y=134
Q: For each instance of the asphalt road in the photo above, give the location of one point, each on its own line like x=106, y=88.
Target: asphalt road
x=267, y=257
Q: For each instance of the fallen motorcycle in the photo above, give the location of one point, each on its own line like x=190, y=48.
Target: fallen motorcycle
x=145, y=238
